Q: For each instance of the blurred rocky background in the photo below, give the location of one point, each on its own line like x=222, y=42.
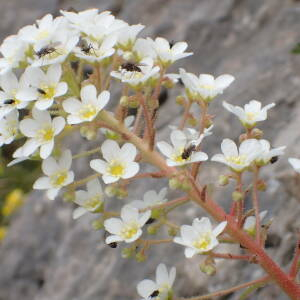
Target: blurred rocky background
x=48, y=256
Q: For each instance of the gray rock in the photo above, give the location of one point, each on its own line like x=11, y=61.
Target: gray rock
x=49, y=256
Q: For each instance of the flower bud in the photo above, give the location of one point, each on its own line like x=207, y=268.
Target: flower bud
x=156, y=213
x=208, y=266
x=124, y=101
x=88, y=133
x=237, y=196
x=172, y=231
x=98, y=224
x=168, y=83
x=110, y=190
x=223, y=180
x=152, y=229
x=133, y=102
x=180, y=100
x=261, y=185
x=127, y=252
x=174, y=183
x=256, y=133
x=192, y=121
x=140, y=257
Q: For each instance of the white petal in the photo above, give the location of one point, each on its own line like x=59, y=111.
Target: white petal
x=78, y=212
x=131, y=170
x=229, y=148
x=42, y=183
x=189, y=252
x=129, y=213
x=98, y=165
x=113, y=225
x=146, y=287
x=110, y=150
x=220, y=228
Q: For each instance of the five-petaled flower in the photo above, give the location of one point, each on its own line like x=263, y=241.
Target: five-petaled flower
x=200, y=237
x=128, y=228
x=41, y=131
x=88, y=108
x=119, y=161
x=90, y=200
x=57, y=173
x=205, y=87
x=238, y=159
x=181, y=143
x=251, y=113
x=161, y=288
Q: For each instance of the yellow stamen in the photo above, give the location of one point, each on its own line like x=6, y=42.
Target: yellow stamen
x=87, y=111
x=93, y=202
x=116, y=169
x=203, y=242
x=45, y=134
x=238, y=160
x=58, y=178
x=129, y=230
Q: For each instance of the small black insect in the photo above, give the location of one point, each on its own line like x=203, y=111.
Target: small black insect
x=187, y=152
x=150, y=221
x=172, y=43
x=41, y=91
x=113, y=245
x=85, y=47
x=274, y=159
x=130, y=67
x=154, y=294
x=45, y=51
x=9, y=101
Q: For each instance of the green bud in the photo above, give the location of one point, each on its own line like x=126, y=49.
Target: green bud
x=237, y=196
x=88, y=133
x=174, y=183
x=127, y=252
x=256, y=133
x=186, y=186
x=133, y=102
x=152, y=229
x=208, y=266
x=98, y=224
x=168, y=83
x=223, y=180
x=124, y=101
x=140, y=257
x=69, y=196
x=110, y=190
x=156, y=213
x=192, y=121
x=172, y=231
x=261, y=185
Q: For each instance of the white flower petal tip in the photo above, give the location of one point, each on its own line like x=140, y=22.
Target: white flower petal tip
x=252, y=112
x=295, y=163
x=200, y=237
x=162, y=286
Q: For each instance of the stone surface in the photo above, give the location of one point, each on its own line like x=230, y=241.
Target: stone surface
x=48, y=256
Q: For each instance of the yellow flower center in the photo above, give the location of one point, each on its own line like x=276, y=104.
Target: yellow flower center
x=42, y=35
x=251, y=230
x=177, y=157
x=203, y=242
x=251, y=116
x=93, y=202
x=116, y=169
x=87, y=111
x=47, y=91
x=45, y=135
x=129, y=230
x=238, y=160
x=207, y=87
x=58, y=178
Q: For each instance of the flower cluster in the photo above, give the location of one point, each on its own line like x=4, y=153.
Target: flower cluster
x=54, y=96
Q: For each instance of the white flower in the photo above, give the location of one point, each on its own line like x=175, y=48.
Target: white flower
x=295, y=163
x=127, y=36
x=181, y=144
x=95, y=52
x=128, y=228
x=161, y=288
x=47, y=85
x=119, y=161
x=13, y=51
x=81, y=19
x=151, y=198
x=137, y=78
x=205, y=86
x=109, y=134
x=200, y=237
x=168, y=54
x=41, y=34
x=267, y=153
x=9, y=127
x=15, y=93
x=41, y=131
x=57, y=174
x=90, y=200
x=87, y=109
x=250, y=223
x=240, y=159
x=143, y=49
x=60, y=49
x=251, y=113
